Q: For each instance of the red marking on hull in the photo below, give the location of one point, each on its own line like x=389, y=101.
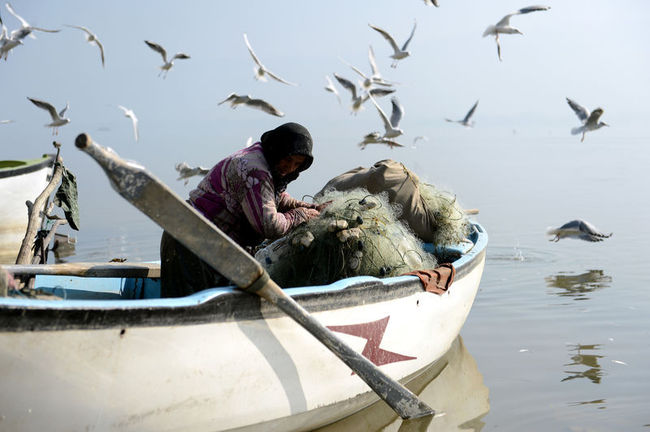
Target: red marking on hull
x=373, y=332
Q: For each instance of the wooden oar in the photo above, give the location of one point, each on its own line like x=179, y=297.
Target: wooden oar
x=202, y=237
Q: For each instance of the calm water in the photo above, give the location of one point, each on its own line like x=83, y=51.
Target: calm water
x=559, y=336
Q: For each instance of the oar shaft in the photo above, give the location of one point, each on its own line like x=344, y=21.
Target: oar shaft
x=203, y=238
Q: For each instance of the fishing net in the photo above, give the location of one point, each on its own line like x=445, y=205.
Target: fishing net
x=358, y=233
x=450, y=224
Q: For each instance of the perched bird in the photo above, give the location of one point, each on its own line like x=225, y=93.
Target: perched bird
x=467, y=120
x=330, y=88
x=185, y=171
x=375, y=78
x=134, y=120
x=168, y=64
x=359, y=98
x=260, y=70
x=590, y=121
x=578, y=229
x=92, y=39
x=57, y=118
x=398, y=53
x=377, y=138
x=26, y=29
x=504, y=27
x=391, y=126
x=260, y=104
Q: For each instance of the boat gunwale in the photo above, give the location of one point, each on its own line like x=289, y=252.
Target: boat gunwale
x=224, y=304
x=33, y=165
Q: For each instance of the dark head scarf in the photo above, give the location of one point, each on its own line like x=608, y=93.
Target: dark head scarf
x=286, y=140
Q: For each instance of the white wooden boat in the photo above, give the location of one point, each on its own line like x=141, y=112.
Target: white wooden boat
x=20, y=180
x=112, y=356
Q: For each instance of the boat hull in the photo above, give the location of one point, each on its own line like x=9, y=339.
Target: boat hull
x=220, y=359
x=19, y=182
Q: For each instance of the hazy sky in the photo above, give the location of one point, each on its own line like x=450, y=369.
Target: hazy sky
x=593, y=51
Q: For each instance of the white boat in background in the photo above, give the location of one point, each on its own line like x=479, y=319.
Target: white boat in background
x=20, y=181
x=107, y=354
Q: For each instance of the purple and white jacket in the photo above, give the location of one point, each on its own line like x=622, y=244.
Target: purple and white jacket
x=238, y=196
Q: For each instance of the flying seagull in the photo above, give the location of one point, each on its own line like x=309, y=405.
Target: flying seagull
x=260, y=104
x=92, y=39
x=398, y=53
x=168, y=64
x=134, y=120
x=578, y=229
x=376, y=138
x=26, y=29
x=57, y=118
x=467, y=120
x=359, y=98
x=6, y=121
x=418, y=138
x=504, y=27
x=391, y=126
x=260, y=70
x=330, y=88
x=375, y=78
x=7, y=42
x=590, y=121
x=431, y=2
x=185, y=171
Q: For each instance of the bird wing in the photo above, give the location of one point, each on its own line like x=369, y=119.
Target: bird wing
x=277, y=78
x=530, y=9
x=18, y=17
x=159, y=49
x=250, y=50
x=62, y=112
x=379, y=92
x=373, y=62
x=180, y=55
x=505, y=21
x=82, y=28
x=470, y=113
x=581, y=112
x=382, y=114
x=230, y=97
x=406, y=44
x=595, y=116
x=390, y=143
x=347, y=84
x=264, y=106
x=386, y=36
x=398, y=112
x=101, y=49
x=45, y=106
x=41, y=29
x=589, y=229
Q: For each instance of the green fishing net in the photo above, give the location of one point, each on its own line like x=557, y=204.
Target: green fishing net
x=357, y=234
x=450, y=224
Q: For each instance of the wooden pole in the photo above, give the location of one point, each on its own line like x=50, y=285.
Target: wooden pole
x=25, y=252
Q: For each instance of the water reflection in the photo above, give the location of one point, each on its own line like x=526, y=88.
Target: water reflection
x=453, y=386
x=594, y=370
x=578, y=286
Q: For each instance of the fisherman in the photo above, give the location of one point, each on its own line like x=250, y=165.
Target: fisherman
x=245, y=196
